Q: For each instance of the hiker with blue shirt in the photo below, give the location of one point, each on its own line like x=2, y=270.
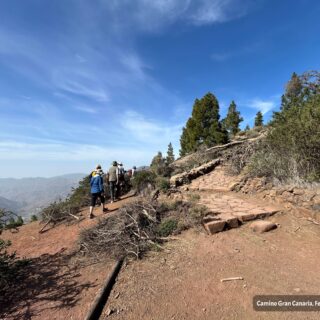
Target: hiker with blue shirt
x=97, y=190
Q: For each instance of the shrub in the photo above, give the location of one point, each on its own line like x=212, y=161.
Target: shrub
x=143, y=180
x=291, y=150
x=193, y=197
x=33, y=218
x=197, y=213
x=138, y=227
x=162, y=184
x=59, y=211
x=80, y=196
x=239, y=157
x=167, y=227
x=9, y=266
x=9, y=220
x=292, y=147
x=130, y=232
x=64, y=210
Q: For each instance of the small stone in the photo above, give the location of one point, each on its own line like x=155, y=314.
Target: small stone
x=262, y=226
x=297, y=289
x=108, y=312
x=244, y=286
x=204, y=309
x=298, y=191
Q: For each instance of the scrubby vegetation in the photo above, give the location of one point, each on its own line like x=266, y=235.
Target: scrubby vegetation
x=9, y=220
x=9, y=264
x=143, y=180
x=287, y=148
x=291, y=150
x=65, y=210
x=33, y=218
x=139, y=227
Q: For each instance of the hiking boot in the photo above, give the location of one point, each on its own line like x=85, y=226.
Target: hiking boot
x=105, y=210
x=91, y=216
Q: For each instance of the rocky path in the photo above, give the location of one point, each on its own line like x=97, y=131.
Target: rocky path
x=183, y=281
x=227, y=209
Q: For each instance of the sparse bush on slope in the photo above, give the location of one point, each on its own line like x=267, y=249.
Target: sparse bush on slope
x=144, y=179
x=9, y=264
x=139, y=227
x=9, y=220
x=291, y=150
x=65, y=210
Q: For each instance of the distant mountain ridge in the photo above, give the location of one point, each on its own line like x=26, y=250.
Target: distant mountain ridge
x=26, y=196
x=10, y=205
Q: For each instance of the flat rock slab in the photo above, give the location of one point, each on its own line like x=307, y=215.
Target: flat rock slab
x=231, y=220
x=245, y=216
x=215, y=226
x=262, y=226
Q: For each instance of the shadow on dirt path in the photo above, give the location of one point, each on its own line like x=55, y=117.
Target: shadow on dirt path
x=46, y=282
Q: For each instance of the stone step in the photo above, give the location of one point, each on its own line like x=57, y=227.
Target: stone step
x=223, y=218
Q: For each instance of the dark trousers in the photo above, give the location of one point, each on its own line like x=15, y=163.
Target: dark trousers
x=113, y=189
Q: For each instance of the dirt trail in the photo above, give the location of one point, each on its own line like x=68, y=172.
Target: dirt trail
x=57, y=284
x=28, y=242
x=183, y=280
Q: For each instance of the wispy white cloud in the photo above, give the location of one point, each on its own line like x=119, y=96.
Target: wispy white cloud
x=80, y=59
x=95, y=68
x=151, y=16
x=263, y=105
x=87, y=109
x=242, y=51
x=149, y=131
x=221, y=56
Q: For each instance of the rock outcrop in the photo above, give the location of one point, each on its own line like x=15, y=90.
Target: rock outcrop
x=187, y=177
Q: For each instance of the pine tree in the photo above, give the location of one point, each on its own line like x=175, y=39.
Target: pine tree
x=233, y=119
x=258, y=121
x=159, y=165
x=294, y=93
x=170, y=154
x=203, y=127
x=247, y=128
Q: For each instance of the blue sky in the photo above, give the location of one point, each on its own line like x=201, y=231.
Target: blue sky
x=89, y=81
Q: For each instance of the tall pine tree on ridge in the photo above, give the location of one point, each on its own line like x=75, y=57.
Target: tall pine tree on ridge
x=203, y=127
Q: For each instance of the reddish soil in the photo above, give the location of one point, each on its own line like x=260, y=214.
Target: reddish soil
x=183, y=281
x=58, y=284
x=180, y=282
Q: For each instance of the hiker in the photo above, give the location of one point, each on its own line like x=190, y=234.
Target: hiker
x=133, y=171
x=113, y=180
x=122, y=182
x=97, y=190
x=121, y=169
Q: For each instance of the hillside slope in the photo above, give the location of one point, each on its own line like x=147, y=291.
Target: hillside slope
x=31, y=194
